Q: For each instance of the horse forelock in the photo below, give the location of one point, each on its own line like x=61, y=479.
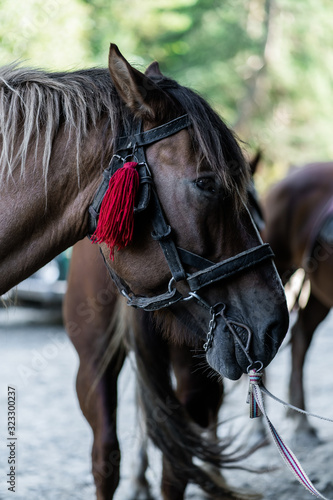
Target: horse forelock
x=34, y=104
x=213, y=141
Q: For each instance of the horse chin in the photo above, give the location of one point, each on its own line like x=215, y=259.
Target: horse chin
x=224, y=357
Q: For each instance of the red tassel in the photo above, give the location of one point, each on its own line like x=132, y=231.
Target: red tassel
x=116, y=217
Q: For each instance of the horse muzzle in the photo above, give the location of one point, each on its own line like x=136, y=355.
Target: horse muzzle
x=233, y=349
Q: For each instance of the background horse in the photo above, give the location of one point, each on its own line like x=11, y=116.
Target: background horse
x=298, y=212
x=59, y=132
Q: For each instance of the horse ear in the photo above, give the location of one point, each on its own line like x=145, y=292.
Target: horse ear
x=153, y=69
x=255, y=161
x=135, y=88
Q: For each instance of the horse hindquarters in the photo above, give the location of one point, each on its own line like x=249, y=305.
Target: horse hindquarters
x=89, y=310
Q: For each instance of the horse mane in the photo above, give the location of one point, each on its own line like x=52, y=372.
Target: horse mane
x=34, y=104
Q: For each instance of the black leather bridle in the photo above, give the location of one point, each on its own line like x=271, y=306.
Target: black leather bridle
x=132, y=146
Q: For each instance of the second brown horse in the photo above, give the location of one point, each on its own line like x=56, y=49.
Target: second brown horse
x=298, y=213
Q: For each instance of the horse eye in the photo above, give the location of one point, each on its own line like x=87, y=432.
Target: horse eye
x=206, y=184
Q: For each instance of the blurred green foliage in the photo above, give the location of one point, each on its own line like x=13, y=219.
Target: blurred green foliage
x=50, y=34
x=265, y=65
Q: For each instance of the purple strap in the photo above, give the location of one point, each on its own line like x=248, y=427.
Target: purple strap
x=257, y=408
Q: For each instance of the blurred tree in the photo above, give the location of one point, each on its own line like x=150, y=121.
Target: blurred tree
x=265, y=65
x=50, y=34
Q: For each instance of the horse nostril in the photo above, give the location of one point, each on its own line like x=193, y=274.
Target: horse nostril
x=244, y=334
x=241, y=333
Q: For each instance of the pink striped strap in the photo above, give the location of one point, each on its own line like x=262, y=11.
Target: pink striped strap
x=257, y=408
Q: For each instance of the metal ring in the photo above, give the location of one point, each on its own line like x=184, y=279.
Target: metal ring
x=132, y=155
x=145, y=164
x=125, y=294
x=189, y=297
x=214, y=308
x=170, y=284
x=119, y=157
x=251, y=366
x=200, y=300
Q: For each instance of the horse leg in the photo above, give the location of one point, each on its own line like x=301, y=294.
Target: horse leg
x=89, y=306
x=173, y=485
x=301, y=335
x=168, y=417
x=99, y=409
x=140, y=489
x=199, y=394
x=201, y=397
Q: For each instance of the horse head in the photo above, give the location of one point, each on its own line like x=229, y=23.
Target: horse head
x=196, y=258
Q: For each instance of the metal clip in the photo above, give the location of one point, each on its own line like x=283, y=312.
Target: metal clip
x=210, y=334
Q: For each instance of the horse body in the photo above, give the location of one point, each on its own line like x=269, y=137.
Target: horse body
x=200, y=179
x=44, y=228
x=45, y=199
x=295, y=211
x=292, y=212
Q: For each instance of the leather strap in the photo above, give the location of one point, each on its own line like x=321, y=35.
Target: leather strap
x=133, y=144
x=161, y=230
x=194, y=260
x=140, y=138
x=163, y=234
x=146, y=303
x=94, y=208
x=151, y=304
x=229, y=267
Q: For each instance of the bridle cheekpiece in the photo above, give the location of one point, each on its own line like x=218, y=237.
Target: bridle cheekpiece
x=132, y=147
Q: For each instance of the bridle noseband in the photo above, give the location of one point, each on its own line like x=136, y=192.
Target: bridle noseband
x=133, y=145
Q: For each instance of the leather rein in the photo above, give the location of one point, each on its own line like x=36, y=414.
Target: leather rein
x=133, y=145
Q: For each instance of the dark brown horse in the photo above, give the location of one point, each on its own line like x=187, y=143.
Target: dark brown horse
x=101, y=327
x=299, y=226
x=195, y=264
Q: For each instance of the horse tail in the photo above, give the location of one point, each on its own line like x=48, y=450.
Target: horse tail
x=168, y=424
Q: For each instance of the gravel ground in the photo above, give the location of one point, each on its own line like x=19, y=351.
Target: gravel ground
x=54, y=441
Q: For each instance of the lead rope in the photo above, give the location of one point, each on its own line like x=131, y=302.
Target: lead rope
x=257, y=408
x=256, y=390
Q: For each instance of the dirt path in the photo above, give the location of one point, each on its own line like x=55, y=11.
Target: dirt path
x=54, y=440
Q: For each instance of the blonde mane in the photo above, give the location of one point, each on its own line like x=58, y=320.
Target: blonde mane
x=34, y=104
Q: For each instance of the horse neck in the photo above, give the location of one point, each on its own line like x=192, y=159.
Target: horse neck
x=41, y=216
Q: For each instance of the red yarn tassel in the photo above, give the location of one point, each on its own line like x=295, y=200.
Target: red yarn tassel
x=116, y=217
